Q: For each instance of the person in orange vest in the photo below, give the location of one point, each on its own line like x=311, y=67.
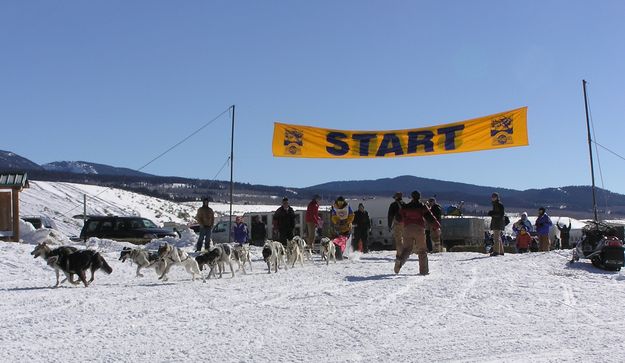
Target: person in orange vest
x=414, y=215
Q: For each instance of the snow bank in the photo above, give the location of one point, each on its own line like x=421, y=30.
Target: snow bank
x=30, y=235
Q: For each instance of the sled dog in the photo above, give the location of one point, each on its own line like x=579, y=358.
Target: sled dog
x=218, y=256
x=328, y=250
x=241, y=254
x=169, y=256
x=45, y=252
x=294, y=251
x=273, y=253
x=79, y=262
x=306, y=250
x=142, y=258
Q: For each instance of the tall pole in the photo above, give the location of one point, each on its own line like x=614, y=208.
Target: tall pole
x=592, y=167
x=231, y=177
x=84, y=211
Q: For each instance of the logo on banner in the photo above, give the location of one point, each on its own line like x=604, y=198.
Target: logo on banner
x=501, y=131
x=293, y=141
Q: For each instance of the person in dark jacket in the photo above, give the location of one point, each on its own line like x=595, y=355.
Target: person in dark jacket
x=394, y=220
x=362, y=226
x=433, y=237
x=284, y=221
x=259, y=231
x=497, y=224
x=414, y=216
x=565, y=234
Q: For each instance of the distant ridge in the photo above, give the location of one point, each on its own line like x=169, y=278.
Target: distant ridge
x=84, y=167
x=569, y=200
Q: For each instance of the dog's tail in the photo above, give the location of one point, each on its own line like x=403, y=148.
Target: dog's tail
x=103, y=264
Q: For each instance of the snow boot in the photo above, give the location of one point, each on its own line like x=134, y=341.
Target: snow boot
x=423, y=264
x=398, y=264
x=338, y=254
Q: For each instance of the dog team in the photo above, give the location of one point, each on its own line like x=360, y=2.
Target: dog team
x=72, y=261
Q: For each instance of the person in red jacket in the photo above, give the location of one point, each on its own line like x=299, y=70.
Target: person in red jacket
x=312, y=220
x=523, y=240
x=414, y=215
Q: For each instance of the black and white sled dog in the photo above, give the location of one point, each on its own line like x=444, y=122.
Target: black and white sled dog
x=44, y=251
x=219, y=255
x=169, y=256
x=79, y=262
x=328, y=250
x=274, y=253
x=142, y=258
x=306, y=250
x=295, y=251
x=241, y=254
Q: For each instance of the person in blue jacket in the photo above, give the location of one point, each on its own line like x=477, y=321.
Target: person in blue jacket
x=543, y=224
x=239, y=231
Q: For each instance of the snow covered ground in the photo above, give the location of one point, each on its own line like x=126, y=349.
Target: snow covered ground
x=530, y=307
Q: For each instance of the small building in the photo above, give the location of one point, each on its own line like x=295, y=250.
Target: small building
x=11, y=184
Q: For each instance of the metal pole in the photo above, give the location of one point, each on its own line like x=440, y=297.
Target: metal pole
x=231, y=177
x=592, y=167
x=84, y=211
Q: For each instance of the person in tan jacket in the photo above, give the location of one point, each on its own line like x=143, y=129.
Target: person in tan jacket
x=206, y=219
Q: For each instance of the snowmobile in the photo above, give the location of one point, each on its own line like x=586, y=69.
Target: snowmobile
x=454, y=209
x=600, y=245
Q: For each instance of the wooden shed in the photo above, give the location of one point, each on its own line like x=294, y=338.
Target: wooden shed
x=11, y=184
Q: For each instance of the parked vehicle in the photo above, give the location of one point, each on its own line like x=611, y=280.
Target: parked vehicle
x=40, y=221
x=601, y=245
x=221, y=231
x=136, y=230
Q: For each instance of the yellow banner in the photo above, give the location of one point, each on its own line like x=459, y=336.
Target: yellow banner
x=506, y=129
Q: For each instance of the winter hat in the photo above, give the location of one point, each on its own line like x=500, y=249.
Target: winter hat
x=524, y=214
x=495, y=195
x=285, y=199
x=415, y=195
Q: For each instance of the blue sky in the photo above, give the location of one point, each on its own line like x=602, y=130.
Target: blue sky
x=119, y=82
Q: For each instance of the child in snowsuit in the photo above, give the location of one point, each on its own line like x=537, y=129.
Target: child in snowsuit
x=523, y=240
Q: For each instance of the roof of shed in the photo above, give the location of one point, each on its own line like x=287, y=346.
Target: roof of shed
x=13, y=180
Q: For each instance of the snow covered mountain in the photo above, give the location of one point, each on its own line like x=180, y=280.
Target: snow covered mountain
x=84, y=167
x=12, y=161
